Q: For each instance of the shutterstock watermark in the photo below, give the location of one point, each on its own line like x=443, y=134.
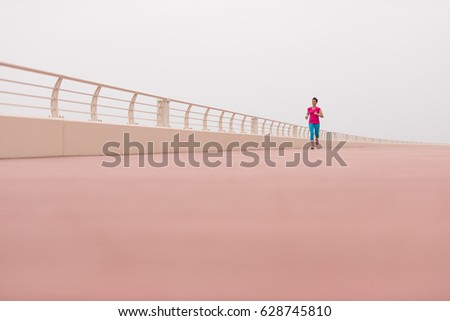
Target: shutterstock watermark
x=214, y=154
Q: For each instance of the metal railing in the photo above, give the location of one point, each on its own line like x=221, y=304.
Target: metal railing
x=47, y=94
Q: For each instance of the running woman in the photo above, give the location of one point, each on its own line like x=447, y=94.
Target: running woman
x=314, y=113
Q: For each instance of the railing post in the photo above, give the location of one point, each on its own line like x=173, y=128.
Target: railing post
x=131, y=110
x=295, y=131
x=282, y=130
x=230, y=127
x=278, y=129
x=163, y=113
x=221, y=121
x=94, y=104
x=186, y=117
x=54, y=100
x=205, y=120
x=254, y=129
x=271, y=125
x=242, y=124
x=263, y=127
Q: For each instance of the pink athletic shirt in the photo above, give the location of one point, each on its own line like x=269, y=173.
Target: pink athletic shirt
x=313, y=119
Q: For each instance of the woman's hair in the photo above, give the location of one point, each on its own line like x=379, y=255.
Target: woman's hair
x=317, y=100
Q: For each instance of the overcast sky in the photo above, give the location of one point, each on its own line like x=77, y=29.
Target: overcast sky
x=379, y=68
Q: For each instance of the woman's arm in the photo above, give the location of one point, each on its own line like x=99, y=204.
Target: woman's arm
x=307, y=114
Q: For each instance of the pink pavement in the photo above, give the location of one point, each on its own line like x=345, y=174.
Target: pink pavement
x=378, y=229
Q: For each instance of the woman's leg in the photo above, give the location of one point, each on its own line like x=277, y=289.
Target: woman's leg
x=311, y=134
x=317, y=131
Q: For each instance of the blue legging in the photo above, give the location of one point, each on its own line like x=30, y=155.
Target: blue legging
x=314, y=131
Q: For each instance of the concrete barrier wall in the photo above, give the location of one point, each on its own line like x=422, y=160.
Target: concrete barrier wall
x=31, y=137
x=40, y=137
